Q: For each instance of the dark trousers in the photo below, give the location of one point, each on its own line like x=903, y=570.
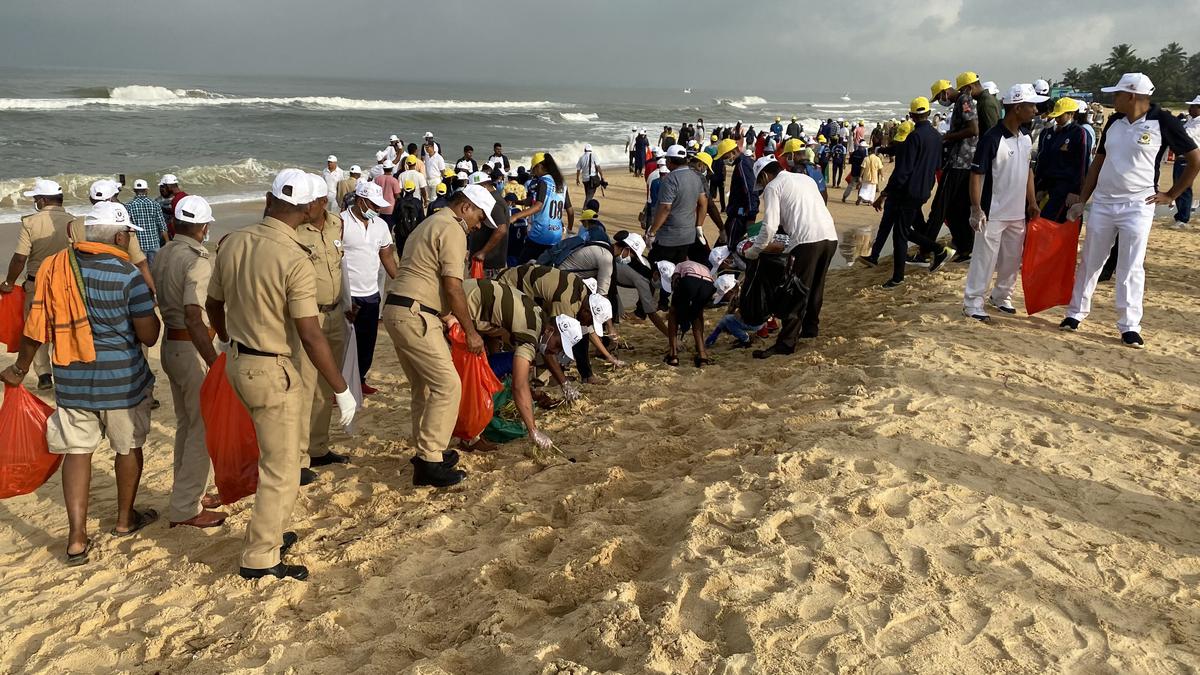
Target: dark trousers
x=531, y=250
x=952, y=206
x=886, y=222
x=836, y=170
x=589, y=189
x=716, y=189
x=1056, y=201
x=1183, y=205
x=907, y=226
x=583, y=357
x=810, y=262
x=366, y=330
x=672, y=254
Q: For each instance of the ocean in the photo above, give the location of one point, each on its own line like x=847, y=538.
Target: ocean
x=225, y=136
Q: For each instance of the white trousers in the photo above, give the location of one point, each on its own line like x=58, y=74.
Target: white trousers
x=997, y=251
x=1130, y=220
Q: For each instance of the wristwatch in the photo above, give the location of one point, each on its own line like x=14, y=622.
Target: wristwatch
x=19, y=370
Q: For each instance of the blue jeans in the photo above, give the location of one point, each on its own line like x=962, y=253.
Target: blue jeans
x=732, y=324
x=1183, y=205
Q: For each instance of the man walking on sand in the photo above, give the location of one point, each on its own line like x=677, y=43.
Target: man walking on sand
x=589, y=170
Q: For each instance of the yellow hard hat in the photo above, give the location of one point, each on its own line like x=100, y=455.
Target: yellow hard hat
x=1063, y=106
x=793, y=145
x=441, y=188
x=409, y=185
x=449, y=173
x=919, y=105
x=538, y=158
x=904, y=130
x=705, y=159
x=410, y=160
x=820, y=139
x=713, y=138
x=965, y=78
x=938, y=87
x=725, y=147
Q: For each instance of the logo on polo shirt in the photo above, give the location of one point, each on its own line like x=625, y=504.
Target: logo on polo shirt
x=1144, y=139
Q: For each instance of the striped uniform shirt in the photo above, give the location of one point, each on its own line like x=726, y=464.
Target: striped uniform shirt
x=495, y=305
x=148, y=215
x=555, y=291
x=119, y=378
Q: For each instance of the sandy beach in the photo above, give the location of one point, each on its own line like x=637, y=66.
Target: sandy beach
x=911, y=491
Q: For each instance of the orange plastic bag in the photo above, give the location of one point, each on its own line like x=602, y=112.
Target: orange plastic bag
x=479, y=385
x=229, y=434
x=25, y=461
x=1048, y=264
x=12, y=318
x=476, y=269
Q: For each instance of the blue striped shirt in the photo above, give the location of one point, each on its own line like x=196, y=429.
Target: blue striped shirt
x=120, y=377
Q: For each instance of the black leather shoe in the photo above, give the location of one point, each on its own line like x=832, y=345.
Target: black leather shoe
x=328, y=458
x=289, y=540
x=307, y=476
x=45, y=383
x=449, y=458
x=435, y=474
x=279, y=571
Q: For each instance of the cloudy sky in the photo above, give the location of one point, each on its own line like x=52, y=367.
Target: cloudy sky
x=886, y=46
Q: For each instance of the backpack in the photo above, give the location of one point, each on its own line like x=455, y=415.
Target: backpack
x=558, y=253
x=408, y=215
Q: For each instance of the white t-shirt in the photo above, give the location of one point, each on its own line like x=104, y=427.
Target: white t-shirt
x=361, y=244
x=792, y=205
x=415, y=176
x=332, y=178
x=586, y=165
x=434, y=166
x=389, y=153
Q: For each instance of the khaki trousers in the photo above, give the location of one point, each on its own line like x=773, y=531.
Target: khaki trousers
x=424, y=355
x=333, y=324
x=269, y=387
x=41, y=358
x=186, y=370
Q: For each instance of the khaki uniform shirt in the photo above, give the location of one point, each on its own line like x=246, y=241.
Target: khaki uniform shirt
x=555, y=291
x=181, y=271
x=436, y=248
x=264, y=276
x=495, y=305
x=76, y=232
x=42, y=235
x=345, y=187
x=326, y=247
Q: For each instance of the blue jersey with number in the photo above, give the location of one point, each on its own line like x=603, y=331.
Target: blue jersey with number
x=546, y=226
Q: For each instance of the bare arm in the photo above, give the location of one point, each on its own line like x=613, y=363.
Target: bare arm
x=534, y=207
x=13, y=374
x=499, y=236
x=522, y=394
x=216, y=315
x=701, y=209
x=388, y=258
x=976, y=190
x=15, y=266
x=1089, y=183
x=146, y=328
x=972, y=129
x=144, y=268
x=193, y=319
x=458, y=307
x=660, y=217
x=317, y=348
x=1189, y=174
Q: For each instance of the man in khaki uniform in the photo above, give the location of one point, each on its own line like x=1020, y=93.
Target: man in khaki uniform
x=106, y=190
x=347, y=185
x=428, y=285
x=183, y=268
x=42, y=235
x=324, y=238
x=265, y=275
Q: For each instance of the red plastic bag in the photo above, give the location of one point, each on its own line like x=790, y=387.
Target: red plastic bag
x=12, y=318
x=479, y=385
x=229, y=434
x=25, y=461
x=1048, y=264
x=476, y=269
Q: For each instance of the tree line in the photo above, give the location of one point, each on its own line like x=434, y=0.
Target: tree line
x=1176, y=75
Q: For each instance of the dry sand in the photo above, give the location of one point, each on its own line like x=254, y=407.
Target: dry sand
x=912, y=491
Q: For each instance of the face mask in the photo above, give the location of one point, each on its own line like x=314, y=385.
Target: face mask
x=945, y=102
x=207, y=235
x=369, y=214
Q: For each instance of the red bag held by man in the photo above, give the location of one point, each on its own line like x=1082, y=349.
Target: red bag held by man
x=26, y=462
x=229, y=434
x=476, y=269
x=479, y=385
x=1048, y=263
x=12, y=318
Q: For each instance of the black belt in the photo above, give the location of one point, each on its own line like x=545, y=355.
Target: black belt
x=243, y=349
x=328, y=308
x=401, y=301
x=30, y=279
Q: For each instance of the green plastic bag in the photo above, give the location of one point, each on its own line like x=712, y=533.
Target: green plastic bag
x=501, y=430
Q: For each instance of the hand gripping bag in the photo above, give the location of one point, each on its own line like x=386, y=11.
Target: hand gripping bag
x=25, y=461
x=230, y=436
x=1048, y=263
x=479, y=385
x=476, y=269
x=12, y=318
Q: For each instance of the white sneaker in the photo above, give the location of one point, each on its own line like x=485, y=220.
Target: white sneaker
x=1005, y=306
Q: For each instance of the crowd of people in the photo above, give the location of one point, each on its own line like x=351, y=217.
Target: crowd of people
x=425, y=247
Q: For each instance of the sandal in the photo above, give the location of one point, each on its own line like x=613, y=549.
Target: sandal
x=142, y=519
x=80, y=558
x=671, y=360
x=702, y=361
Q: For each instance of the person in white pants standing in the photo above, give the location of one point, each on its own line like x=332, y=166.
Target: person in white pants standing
x=1123, y=186
x=1002, y=199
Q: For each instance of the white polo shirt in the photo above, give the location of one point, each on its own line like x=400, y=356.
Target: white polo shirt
x=434, y=166
x=1133, y=153
x=415, y=176
x=792, y=204
x=1003, y=161
x=361, y=244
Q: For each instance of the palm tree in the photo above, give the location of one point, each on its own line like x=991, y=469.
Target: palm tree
x=1120, y=58
x=1072, y=78
x=1169, y=72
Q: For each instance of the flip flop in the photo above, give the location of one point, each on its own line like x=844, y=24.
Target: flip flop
x=80, y=558
x=143, y=519
x=672, y=361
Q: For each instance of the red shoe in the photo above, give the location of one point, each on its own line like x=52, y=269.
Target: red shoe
x=210, y=501
x=772, y=325
x=205, y=518
x=368, y=389
x=764, y=332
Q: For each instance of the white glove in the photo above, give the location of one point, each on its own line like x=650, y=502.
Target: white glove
x=570, y=392
x=224, y=347
x=978, y=218
x=1075, y=212
x=617, y=363
x=542, y=441
x=347, y=406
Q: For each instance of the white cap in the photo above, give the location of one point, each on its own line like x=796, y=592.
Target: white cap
x=991, y=88
x=1022, y=93
x=168, y=179
x=293, y=187
x=320, y=188
x=724, y=284
x=1133, y=83
x=587, y=147
x=44, y=188
x=658, y=152
x=104, y=189
x=716, y=257
x=1041, y=86
x=331, y=158
x=1083, y=106
x=862, y=144
x=109, y=213
x=480, y=197
x=387, y=164
x=372, y=192
x=1195, y=101
x=140, y=184
x=571, y=332
x=592, y=285
x=602, y=310
x=194, y=209
x=393, y=138
x=642, y=130
x=637, y=244
x=428, y=135
x=677, y=152
x=479, y=177
x=461, y=175
x=380, y=155
x=761, y=164
x=665, y=269
x=354, y=168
